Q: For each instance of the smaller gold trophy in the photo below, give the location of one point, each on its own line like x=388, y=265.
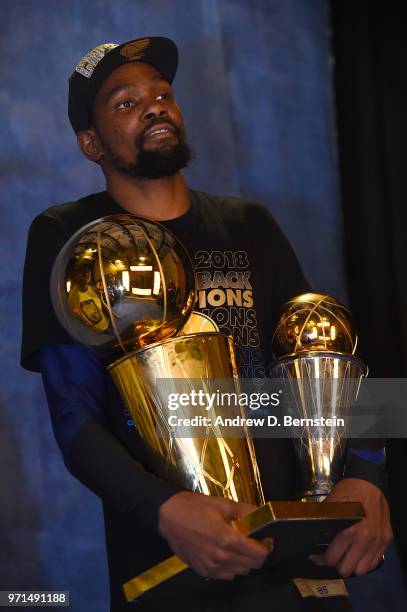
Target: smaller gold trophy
x=315, y=343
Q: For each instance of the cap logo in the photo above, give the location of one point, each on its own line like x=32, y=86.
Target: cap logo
x=133, y=51
x=88, y=63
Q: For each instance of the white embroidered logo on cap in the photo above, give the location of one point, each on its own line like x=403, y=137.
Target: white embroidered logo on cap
x=88, y=63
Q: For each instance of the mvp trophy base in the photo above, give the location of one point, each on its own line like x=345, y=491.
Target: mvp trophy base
x=297, y=528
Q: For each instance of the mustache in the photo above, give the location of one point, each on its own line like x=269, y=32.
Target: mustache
x=158, y=121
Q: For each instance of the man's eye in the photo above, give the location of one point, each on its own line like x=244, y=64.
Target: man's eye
x=125, y=104
x=163, y=96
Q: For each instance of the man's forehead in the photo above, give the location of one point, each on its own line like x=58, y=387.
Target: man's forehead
x=126, y=77
x=130, y=74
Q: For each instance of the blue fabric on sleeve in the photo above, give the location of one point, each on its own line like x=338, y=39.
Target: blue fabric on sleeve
x=75, y=384
x=375, y=456
x=367, y=464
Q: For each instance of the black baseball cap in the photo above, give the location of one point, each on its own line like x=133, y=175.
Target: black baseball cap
x=97, y=64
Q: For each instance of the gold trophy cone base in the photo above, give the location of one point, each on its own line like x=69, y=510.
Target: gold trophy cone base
x=297, y=528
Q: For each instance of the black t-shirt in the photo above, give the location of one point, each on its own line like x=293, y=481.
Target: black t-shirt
x=246, y=270
x=245, y=267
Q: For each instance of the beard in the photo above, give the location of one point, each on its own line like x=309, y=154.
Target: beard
x=154, y=164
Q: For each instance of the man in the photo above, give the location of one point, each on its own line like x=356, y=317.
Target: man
x=123, y=110
x=85, y=302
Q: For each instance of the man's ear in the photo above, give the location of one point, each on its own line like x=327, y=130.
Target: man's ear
x=90, y=145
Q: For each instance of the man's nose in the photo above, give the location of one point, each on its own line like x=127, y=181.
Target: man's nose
x=153, y=110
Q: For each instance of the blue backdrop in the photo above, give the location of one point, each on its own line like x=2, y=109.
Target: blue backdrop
x=255, y=85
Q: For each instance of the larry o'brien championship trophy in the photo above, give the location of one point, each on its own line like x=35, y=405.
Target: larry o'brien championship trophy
x=124, y=287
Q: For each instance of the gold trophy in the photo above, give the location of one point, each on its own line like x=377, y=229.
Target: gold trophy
x=124, y=286
x=315, y=343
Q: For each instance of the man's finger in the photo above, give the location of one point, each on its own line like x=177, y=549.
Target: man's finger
x=233, y=510
x=376, y=562
x=336, y=549
x=224, y=576
x=254, y=550
x=237, y=569
x=359, y=557
x=223, y=559
x=268, y=542
x=369, y=562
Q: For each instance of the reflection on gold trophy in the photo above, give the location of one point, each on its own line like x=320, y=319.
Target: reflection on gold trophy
x=133, y=274
x=84, y=300
x=146, y=286
x=213, y=464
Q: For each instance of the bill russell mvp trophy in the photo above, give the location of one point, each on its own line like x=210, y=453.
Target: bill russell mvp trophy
x=124, y=286
x=315, y=344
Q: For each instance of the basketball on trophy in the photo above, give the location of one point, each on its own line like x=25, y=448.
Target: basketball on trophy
x=121, y=283
x=314, y=322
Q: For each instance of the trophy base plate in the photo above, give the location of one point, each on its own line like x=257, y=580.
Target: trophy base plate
x=297, y=528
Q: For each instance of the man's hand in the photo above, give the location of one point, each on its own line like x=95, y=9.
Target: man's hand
x=359, y=549
x=199, y=530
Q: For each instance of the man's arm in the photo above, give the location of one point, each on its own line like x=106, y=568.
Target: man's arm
x=76, y=387
x=198, y=528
